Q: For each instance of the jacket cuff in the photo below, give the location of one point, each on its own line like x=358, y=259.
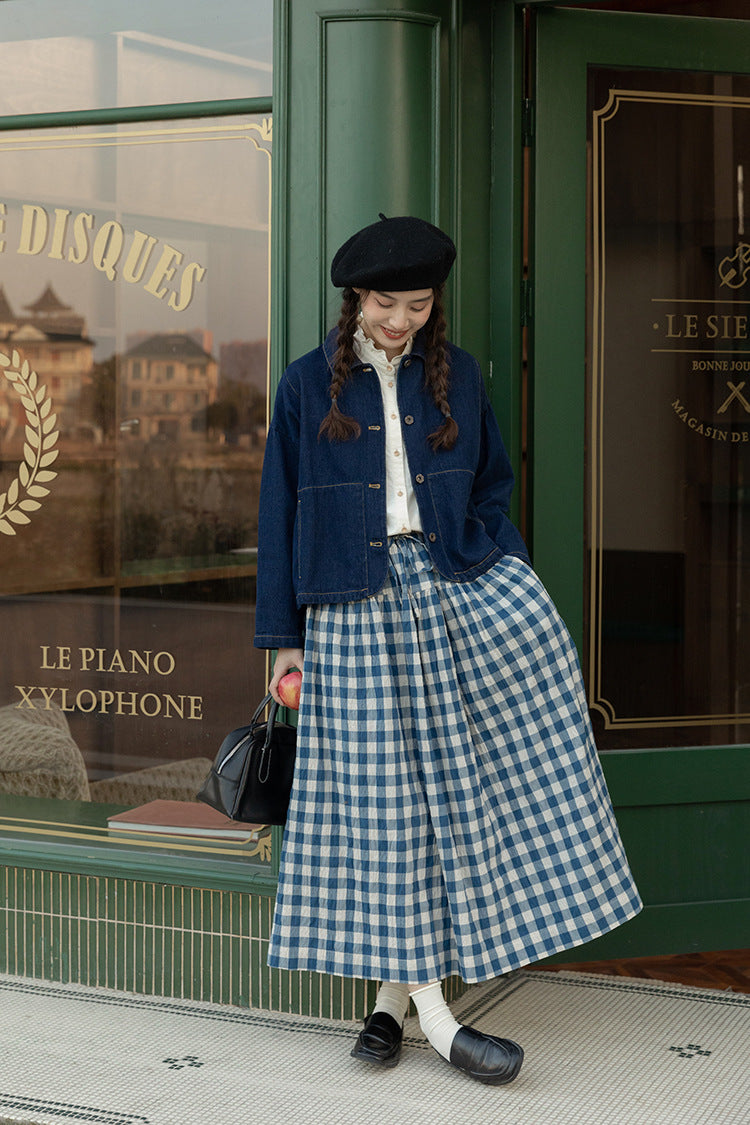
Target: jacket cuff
x=270, y=640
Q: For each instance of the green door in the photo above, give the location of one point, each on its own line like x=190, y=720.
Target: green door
x=640, y=426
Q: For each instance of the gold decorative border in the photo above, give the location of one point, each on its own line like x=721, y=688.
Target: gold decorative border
x=601, y=117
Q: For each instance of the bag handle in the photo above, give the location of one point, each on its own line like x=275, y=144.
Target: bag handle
x=264, y=763
x=262, y=706
x=271, y=719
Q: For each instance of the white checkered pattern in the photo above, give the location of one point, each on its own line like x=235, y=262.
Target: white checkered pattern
x=449, y=814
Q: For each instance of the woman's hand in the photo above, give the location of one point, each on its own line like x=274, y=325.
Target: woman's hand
x=286, y=659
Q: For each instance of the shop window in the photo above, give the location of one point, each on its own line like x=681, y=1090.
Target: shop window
x=129, y=516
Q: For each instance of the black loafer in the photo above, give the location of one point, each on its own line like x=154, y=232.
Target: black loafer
x=485, y=1057
x=379, y=1041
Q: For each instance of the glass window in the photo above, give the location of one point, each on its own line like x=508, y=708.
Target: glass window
x=669, y=370
x=59, y=57
x=133, y=383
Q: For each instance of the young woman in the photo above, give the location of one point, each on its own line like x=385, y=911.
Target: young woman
x=448, y=814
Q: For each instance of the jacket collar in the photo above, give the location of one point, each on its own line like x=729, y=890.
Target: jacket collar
x=329, y=348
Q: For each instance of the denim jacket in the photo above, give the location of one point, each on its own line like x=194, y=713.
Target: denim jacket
x=322, y=524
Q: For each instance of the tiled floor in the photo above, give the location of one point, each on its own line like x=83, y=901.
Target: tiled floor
x=728, y=970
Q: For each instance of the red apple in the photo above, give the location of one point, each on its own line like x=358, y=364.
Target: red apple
x=289, y=686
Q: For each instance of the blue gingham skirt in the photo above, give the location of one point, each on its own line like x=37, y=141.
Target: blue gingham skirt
x=448, y=813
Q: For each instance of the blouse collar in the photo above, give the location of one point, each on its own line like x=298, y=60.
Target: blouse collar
x=367, y=352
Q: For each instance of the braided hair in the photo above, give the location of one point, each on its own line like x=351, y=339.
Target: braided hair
x=339, y=427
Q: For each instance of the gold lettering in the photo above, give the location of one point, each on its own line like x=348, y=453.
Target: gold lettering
x=108, y=246
x=170, y=661
x=83, y=222
x=691, y=326
x=58, y=234
x=179, y=708
x=164, y=271
x=33, y=229
x=106, y=698
x=80, y=697
x=47, y=694
x=64, y=700
x=150, y=714
x=196, y=706
x=26, y=693
x=672, y=335
x=136, y=657
x=136, y=261
x=191, y=275
x=120, y=702
x=116, y=663
x=63, y=658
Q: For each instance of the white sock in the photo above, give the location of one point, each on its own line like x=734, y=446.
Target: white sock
x=393, y=999
x=435, y=1017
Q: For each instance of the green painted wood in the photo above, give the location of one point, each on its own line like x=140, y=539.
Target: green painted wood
x=171, y=111
x=384, y=110
x=680, y=776
x=366, y=130
x=506, y=233
x=661, y=930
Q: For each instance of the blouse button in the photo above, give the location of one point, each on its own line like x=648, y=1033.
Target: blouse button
x=396, y=452
x=419, y=478
x=432, y=537
x=408, y=419
x=391, y=383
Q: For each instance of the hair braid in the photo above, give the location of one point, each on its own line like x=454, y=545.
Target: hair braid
x=337, y=426
x=437, y=373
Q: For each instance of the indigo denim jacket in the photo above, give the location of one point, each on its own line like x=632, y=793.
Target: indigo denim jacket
x=322, y=524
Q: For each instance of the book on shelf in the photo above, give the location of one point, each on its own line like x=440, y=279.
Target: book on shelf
x=182, y=818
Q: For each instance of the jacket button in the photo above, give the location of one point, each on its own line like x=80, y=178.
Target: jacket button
x=408, y=419
x=407, y=362
x=419, y=478
x=432, y=537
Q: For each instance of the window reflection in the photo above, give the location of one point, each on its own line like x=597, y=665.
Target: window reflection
x=59, y=57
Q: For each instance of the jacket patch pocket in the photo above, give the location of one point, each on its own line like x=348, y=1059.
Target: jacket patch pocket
x=332, y=553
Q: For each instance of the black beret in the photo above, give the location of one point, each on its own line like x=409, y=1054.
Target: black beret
x=399, y=254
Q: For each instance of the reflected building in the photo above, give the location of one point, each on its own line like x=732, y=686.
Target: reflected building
x=168, y=381
x=52, y=337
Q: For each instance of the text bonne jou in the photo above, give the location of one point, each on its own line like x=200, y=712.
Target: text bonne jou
x=150, y=705
x=113, y=251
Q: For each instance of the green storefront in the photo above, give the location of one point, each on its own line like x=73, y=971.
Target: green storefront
x=174, y=186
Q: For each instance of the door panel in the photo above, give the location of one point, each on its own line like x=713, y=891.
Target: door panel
x=641, y=436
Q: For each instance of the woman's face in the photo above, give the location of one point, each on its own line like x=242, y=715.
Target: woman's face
x=389, y=319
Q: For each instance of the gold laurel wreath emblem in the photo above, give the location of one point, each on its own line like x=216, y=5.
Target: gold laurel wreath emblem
x=28, y=488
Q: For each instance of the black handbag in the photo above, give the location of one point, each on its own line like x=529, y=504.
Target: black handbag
x=251, y=777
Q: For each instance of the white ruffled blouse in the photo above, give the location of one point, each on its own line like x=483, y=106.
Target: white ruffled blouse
x=402, y=512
